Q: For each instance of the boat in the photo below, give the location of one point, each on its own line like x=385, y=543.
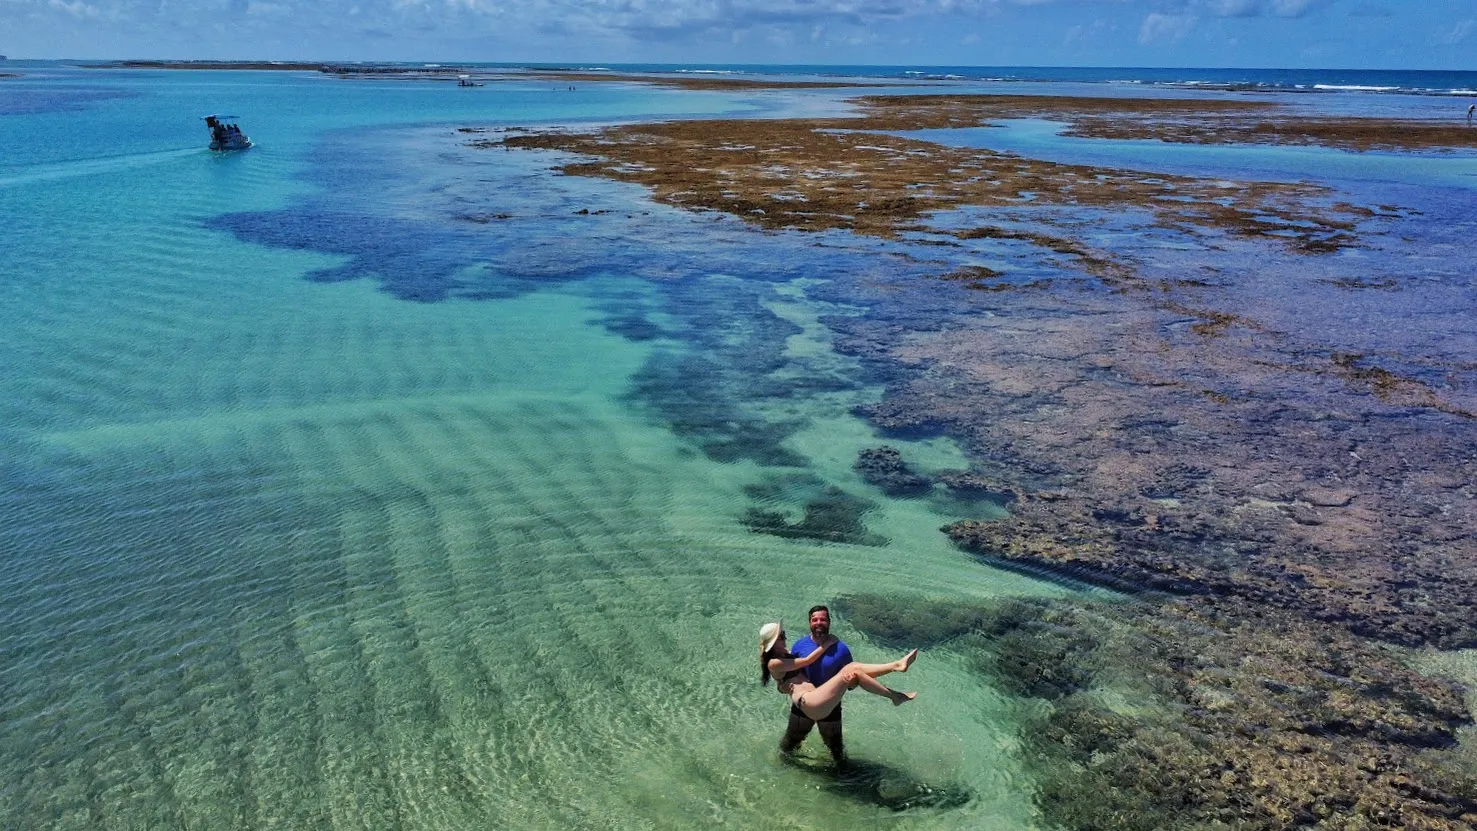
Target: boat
x=466, y=81
x=224, y=134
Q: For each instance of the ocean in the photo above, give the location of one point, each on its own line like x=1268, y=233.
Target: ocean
x=366, y=479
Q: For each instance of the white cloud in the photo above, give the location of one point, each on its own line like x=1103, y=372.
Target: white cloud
x=1025, y=31
x=1234, y=8
x=1292, y=8
x=1460, y=32
x=1165, y=27
x=1177, y=8
x=76, y=9
x=1242, y=8
x=666, y=19
x=652, y=19
x=1080, y=35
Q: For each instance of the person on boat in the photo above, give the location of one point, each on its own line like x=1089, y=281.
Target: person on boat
x=817, y=702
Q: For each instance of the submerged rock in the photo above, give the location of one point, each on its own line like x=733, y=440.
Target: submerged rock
x=884, y=468
x=970, y=485
x=696, y=396
x=830, y=514
x=1329, y=497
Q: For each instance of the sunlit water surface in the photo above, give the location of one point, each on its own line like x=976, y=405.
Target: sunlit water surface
x=367, y=480
x=332, y=499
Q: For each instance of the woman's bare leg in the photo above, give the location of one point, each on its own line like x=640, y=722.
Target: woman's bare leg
x=875, y=687
x=874, y=670
x=819, y=702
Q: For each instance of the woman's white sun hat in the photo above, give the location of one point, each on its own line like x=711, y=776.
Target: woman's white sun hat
x=768, y=634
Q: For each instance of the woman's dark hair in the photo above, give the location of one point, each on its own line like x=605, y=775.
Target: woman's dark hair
x=766, y=658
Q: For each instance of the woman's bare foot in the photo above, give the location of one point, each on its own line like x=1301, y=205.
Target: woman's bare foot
x=907, y=661
x=902, y=697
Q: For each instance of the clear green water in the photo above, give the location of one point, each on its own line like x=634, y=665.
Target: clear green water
x=297, y=554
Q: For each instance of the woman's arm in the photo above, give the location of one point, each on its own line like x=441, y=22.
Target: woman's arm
x=780, y=666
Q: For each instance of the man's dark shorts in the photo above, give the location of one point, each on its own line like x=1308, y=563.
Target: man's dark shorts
x=796, y=712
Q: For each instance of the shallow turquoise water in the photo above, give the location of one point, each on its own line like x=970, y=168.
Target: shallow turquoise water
x=330, y=503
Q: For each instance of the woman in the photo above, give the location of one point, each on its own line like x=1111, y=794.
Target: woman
x=817, y=702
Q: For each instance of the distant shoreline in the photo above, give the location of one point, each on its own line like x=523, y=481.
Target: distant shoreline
x=289, y=66
x=483, y=75
x=1441, y=83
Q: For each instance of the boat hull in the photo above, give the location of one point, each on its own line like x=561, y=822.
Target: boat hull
x=228, y=145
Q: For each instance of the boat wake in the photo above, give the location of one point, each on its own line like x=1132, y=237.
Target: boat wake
x=27, y=174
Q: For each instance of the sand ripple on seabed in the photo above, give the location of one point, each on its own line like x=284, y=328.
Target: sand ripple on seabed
x=1296, y=506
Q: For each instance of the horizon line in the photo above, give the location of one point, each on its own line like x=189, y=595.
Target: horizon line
x=584, y=64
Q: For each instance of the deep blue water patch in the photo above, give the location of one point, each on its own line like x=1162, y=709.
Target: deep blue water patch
x=411, y=261
x=20, y=99
x=696, y=397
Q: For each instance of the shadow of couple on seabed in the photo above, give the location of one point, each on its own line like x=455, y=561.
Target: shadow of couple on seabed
x=878, y=783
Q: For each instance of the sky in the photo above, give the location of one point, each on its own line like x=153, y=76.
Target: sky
x=1352, y=34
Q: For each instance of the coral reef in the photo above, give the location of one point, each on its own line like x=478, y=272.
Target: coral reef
x=884, y=468
x=1183, y=120
x=1307, y=729
x=820, y=174
x=1287, y=512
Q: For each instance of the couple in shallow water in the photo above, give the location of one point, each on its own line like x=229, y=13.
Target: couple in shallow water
x=816, y=675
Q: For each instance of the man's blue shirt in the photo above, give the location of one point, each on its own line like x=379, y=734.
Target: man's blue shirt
x=836, y=656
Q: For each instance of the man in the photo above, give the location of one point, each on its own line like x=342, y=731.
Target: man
x=836, y=656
